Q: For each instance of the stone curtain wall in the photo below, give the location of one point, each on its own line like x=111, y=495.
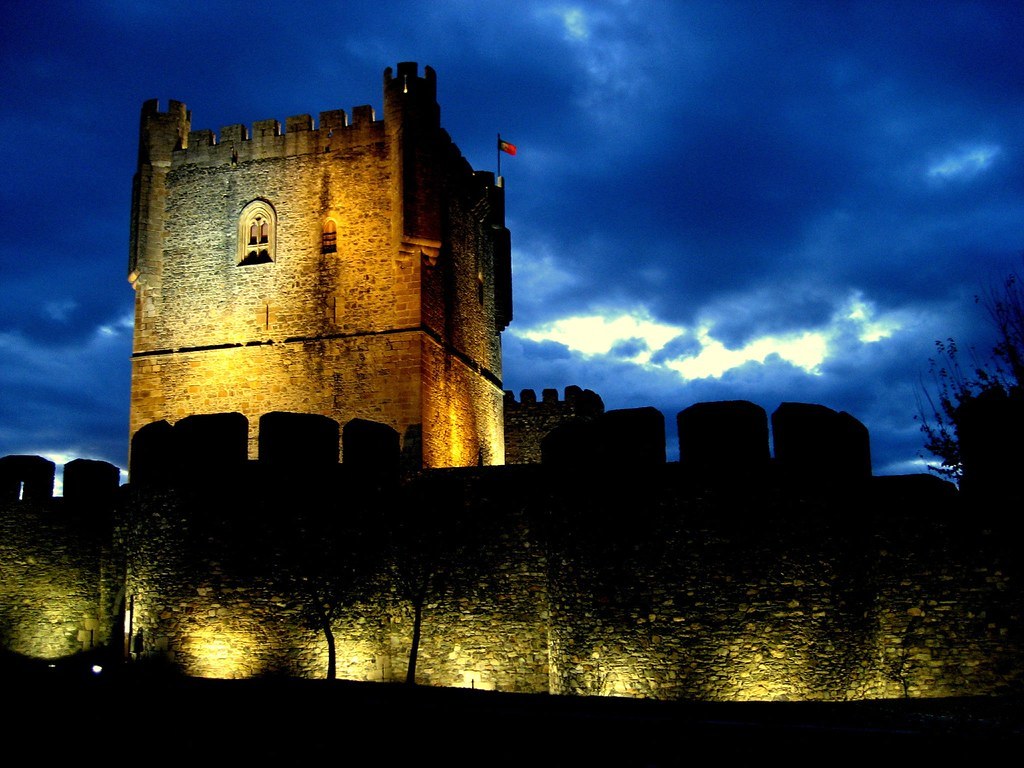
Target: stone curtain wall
x=634, y=586
x=785, y=599
x=60, y=584
x=488, y=628
x=209, y=595
x=197, y=603
x=51, y=561
x=528, y=421
x=634, y=583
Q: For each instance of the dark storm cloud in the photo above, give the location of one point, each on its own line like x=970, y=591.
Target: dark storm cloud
x=628, y=348
x=769, y=312
x=752, y=167
x=543, y=350
x=679, y=347
x=791, y=157
x=66, y=400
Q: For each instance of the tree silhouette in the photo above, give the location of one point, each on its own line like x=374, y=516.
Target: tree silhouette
x=954, y=383
x=323, y=560
x=429, y=539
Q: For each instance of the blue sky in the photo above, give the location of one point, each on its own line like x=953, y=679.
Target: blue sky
x=767, y=201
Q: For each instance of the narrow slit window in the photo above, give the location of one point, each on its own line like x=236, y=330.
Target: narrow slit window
x=329, y=238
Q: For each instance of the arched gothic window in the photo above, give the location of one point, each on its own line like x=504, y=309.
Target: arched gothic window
x=329, y=237
x=257, y=233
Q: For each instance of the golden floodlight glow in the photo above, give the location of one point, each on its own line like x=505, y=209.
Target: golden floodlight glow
x=226, y=371
x=456, y=446
x=763, y=668
x=618, y=682
x=217, y=652
x=56, y=619
x=355, y=660
x=473, y=679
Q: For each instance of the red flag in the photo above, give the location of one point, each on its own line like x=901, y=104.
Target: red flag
x=505, y=146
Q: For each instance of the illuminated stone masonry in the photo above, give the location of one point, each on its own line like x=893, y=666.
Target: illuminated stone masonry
x=640, y=580
x=358, y=268
x=316, y=418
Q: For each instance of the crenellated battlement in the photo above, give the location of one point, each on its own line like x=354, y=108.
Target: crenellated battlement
x=299, y=135
x=162, y=133
x=528, y=421
x=407, y=95
x=574, y=397
x=87, y=482
x=408, y=79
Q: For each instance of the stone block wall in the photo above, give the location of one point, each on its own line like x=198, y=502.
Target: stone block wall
x=668, y=596
x=26, y=477
x=461, y=408
x=208, y=594
x=633, y=583
x=55, y=595
x=335, y=327
x=374, y=377
x=528, y=421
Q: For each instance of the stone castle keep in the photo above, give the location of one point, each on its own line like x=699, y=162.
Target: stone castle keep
x=358, y=269
x=326, y=474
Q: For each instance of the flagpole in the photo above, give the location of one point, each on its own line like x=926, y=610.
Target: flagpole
x=498, y=145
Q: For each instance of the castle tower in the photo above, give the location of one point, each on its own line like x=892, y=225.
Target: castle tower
x=357, y=268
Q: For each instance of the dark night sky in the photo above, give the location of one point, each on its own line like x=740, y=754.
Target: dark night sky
x=712, y=200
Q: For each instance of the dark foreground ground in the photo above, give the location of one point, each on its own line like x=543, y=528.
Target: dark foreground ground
x=134, y=719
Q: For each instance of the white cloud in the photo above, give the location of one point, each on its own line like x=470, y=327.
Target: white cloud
x=123, y=323
x=575, y=23
x=964, y=163
x=572, y=19
x=620, y=49
x=598, y=334
x=869, y=329
x=805, y=350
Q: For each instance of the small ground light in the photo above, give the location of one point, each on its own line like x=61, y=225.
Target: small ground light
x=96, y=669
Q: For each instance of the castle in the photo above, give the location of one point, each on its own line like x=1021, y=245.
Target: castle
x=326, y=476
x=358, y=269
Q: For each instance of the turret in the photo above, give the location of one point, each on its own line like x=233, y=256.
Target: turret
x=412, y=119
x=160, y=134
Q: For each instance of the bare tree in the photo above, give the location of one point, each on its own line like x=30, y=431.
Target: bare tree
x=898, y=665
x=322, y=562
x=953, y=382
x=428, y=539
